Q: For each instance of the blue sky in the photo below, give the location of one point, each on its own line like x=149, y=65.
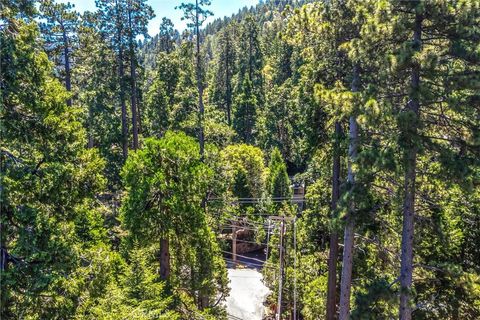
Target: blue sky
x=166, y=8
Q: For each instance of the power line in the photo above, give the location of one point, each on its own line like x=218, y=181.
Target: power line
x=246, y=220
x=272, y=201
x=246, y=225
x=257, y=198
x=264, y=265
x=245, y=257
x=244, y=277
x=257, y=214
x=242, y=221
x=252, y=228
x=231, y=316
x=274, y=221
x=231, y=226
x=252, y=242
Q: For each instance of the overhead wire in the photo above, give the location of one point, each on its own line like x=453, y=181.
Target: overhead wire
x=231, y=226
x=239, y=221
x=256, y=226
x=252, y=242
x=263, y=264
x=245, y=257
x=231, y=316
x=257, y=265
x=257, y=198
x=246, y=225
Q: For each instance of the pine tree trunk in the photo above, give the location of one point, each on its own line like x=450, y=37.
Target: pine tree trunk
x=229, y=104
x=201, y=116
x=139, y=99
x=91, y=142
x=4, y=261
x=228, y=85
x=133, y=79
x=4, y=294
x=406, y=269
x=164, y=259
x=3, y=246
x=203, y=301
x=121, y=78
x=349, y=236
x=250, y=57
x=333, y=254
x=68, y=81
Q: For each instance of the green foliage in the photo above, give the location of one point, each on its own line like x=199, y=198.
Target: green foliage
x=277, y=125
x=166, y=35
x=186, y=95
x=245, y=105
x=278, y=78
x=61, y=22
x=251, y=58
x=18, y=8
x=95, y=82
x=49, y=221
x=245, y=171
x=161, y=94
x=217, y=132
x=165, y=183
x=224, y=70
x=195, y=13
x=278, y=180
x=137, y=294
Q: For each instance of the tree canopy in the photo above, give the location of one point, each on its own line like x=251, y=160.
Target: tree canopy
x=339, y=139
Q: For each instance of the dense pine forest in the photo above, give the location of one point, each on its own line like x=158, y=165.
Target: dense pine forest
x=340, y=139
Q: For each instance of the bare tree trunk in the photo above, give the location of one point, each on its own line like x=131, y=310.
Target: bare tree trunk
x=201, y=108
x=349, y=237
x=406, y=269
x=164, y=259
x=133, y=79
x=333, y=254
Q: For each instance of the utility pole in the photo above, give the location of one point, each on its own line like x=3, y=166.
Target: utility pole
x=282, y=221
x=280, y=280
x=234, y=242
x=295, y=269
x=268, y=243
x=268, y=238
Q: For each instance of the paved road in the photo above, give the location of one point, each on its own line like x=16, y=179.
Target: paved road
x=247, y=294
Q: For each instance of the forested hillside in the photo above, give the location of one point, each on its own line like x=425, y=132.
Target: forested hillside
x=134, y=167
